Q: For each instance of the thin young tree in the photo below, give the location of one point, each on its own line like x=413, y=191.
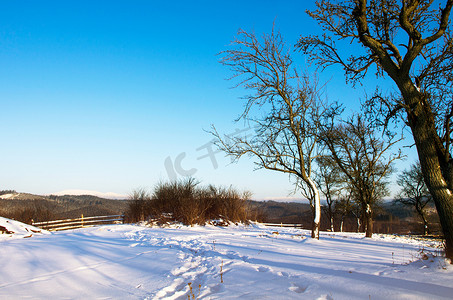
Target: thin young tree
x=344, y=206
x=365, y=160
x=307, y=192
x=357, y=211
x=329, y=179
x=414, y=192
x=411, y=43
x=284, y=107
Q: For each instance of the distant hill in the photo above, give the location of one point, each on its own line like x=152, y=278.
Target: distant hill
x=25, y=207
x=282, y=212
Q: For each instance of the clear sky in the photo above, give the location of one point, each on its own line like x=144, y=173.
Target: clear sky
x=115, y=95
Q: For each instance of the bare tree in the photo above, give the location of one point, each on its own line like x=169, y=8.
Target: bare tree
x=410, y=42
x=414, y=192
x=328, y=176
x=344, y=206
x=286, y=136
x=364, y=160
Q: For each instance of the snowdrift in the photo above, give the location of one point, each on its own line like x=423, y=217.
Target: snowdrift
x=14, y=229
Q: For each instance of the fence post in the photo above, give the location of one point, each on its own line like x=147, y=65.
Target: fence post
x=82, y=220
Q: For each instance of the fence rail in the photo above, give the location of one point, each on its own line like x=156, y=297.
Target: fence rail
x=283, y=225
x=66, y=224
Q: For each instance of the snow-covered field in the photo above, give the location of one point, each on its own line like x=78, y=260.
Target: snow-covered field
x=236, y=262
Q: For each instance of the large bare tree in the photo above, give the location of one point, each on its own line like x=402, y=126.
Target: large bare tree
x=409, y=41
x=283, y=107
x=365, y=160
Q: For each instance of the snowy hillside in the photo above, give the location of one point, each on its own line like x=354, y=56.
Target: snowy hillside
x=254, y=262
x=108, y=195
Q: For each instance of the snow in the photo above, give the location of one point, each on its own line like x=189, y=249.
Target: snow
x=8, y=196
x=11, y=229
x=235, y=262
x=108, y=195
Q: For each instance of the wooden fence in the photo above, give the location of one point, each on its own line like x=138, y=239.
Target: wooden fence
x=283, y=225
x=79, y=222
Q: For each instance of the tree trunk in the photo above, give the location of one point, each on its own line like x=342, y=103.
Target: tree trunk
x=432, y=158
x=425, y=222
x=330, y=214
x=369, y=221
x=314, y=230
x=317, y=209
x=341, y=224
x=425, y=226
x=358, y=224
x=369, y=226
x=444, y=205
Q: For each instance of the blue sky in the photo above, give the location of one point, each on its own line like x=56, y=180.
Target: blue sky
x=105, y=95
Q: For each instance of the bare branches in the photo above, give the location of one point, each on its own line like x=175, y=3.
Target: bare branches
x=410, y=41
x=407, y=11
x=323, y=52
x=349, y=21
x=414, y=192
x=287, y=136
x=444, y=19
x=375, y=25
x=263, y=67
x=364, y=159
x=359, y=153
x=413, y=187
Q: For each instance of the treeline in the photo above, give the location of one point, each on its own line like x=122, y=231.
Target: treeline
x=390, y=217
x=27, y=211
x=6, y=192
x=187, y=202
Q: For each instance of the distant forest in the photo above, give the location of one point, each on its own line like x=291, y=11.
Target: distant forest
x=27, y=207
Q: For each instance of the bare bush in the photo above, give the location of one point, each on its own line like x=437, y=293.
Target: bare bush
x=185, y=201
x=138, y=207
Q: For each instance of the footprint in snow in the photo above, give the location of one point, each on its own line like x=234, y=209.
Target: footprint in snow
x=184, y=268
x=298, y=288
x=263, y=269
x=216, y=288
x=283, y=274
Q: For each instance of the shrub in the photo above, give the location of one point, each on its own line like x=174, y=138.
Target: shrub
x=185, y=201
x=138, y=206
